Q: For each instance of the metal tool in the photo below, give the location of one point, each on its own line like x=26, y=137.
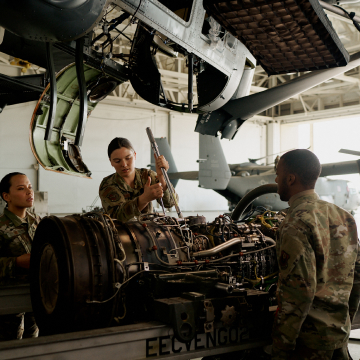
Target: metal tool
x=166, y=177
x=162, y=205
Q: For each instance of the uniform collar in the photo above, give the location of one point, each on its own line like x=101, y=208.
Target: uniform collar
x=124, y=186
x=16, y=220
x=302, y=196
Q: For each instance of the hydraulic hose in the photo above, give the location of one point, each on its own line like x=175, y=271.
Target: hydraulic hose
x=250, y=197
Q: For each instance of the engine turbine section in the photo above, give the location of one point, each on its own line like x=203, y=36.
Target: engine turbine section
x=91, y=271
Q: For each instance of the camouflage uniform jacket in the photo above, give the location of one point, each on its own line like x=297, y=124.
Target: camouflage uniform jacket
x=317, y=248
x=16, y=236
x=120, y=201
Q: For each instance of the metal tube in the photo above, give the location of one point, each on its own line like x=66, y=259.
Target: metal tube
x=190, y=81
x=217, y=249
x=248, y=106
x=224, y=287
x=166, y=177
x=53, y=92
x=83, y=108
x=338, y=11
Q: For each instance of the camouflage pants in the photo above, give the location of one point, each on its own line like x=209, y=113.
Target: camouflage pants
x=302, y=352
x=18, y=326
x=306, y=353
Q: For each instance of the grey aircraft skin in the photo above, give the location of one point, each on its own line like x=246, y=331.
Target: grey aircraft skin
x=338, y=192
x=236, y=180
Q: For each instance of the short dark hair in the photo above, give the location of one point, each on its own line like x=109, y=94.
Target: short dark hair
x=303, y=163
x=118, y=143
x=5, y=183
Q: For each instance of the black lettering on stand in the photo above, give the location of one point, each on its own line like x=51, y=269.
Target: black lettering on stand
x=188, y=345
x=197, y=340
x=222, y=330
x=148, y=347
x=173, y=346
x=161, y=345
x=233, y=340
x=212, y=338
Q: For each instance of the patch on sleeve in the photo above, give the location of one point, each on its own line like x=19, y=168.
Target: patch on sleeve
x=106, y=191
x=283, y=261
x=113, y=196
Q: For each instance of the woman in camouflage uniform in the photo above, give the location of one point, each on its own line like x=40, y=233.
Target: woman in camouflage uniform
x=129, y=191
x=17, y=229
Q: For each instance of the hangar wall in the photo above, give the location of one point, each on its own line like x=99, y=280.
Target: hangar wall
x=15, y=152
x=68, y=194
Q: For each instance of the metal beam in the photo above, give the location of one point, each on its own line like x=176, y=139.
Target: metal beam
x=138, y=341
x=15, y=299
x=328, y=114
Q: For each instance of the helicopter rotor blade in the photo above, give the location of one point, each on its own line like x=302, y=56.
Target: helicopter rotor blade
x=349, y=152
x=277, y=153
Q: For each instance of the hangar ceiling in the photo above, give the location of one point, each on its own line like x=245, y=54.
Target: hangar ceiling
x=337, y=97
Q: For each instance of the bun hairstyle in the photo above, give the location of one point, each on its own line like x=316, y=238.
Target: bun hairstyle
x=118, y=143
x=5, y=183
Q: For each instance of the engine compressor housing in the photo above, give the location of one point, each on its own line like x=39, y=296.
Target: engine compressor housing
x=90, y=271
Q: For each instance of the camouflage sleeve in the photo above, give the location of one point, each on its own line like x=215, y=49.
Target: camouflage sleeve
x=355, y=291
x=115, y=204
x=168, y=202
x=296, y=287
x=7, y=265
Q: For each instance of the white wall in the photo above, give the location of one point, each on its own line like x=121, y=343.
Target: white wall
x=249, y=142
x=69, y=194
x=15, y=151
x=295, y=136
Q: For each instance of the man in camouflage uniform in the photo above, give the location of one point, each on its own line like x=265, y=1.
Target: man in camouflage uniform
x=16, y=235
x=120, y=200
x=317, y=249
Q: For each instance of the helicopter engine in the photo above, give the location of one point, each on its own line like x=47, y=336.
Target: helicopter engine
x=91, y=271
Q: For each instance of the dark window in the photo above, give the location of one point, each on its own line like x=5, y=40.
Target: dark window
x=182, y=8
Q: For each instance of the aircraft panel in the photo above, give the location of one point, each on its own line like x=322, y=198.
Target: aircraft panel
x=283, y=36
x=60, y=154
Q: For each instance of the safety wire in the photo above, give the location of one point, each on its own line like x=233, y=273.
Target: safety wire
x=250, y=213
x=117, y=242
x=132, y=21
x=121, y=263
x=118, y=286
x=258, y=280
x=266, y=220
x=185, y=234
x=112, y=235
x=161, y=224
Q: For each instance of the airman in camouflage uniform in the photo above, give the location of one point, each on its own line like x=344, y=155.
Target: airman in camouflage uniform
x=16, y=236
x=317, y=251
x=316, y=247
x=120, y=200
